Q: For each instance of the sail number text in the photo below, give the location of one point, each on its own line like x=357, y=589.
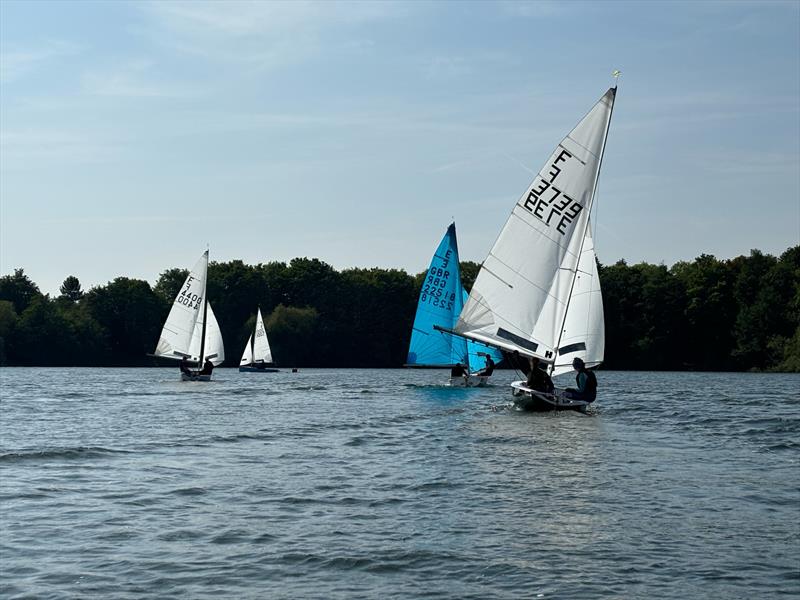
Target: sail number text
x=545, y=201
x=185, y=298
x=433, y=291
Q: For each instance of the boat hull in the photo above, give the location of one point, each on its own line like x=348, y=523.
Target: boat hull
x=469, y=381
x=257, y=370
x=532, y=400
x=185, y=377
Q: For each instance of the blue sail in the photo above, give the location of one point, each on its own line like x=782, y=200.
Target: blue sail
x=478, y=352
x=440, y=301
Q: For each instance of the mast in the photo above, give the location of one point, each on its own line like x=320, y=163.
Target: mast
x=205, y=317
x=552, y=366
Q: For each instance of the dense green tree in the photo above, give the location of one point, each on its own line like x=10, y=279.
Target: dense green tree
x=71, y=289
x=18, y=289
x=133, y=316
x=710, y=312
x=469, y=271
x=8, y=324
x=169, y=284
x=291, y=331
x=742, y=313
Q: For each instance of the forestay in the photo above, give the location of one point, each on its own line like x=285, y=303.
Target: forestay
x=520, y=297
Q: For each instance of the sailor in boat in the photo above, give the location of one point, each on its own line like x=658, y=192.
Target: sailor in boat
x=207, y=368
x=184, y=367
x=586, y=381
x=538, y=379
x=458, y=371
x=488, y=369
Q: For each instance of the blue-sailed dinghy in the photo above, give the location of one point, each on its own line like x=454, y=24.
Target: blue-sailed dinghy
x=191, y=333
x=538, y=292
x=440, y=301
x=257, y=356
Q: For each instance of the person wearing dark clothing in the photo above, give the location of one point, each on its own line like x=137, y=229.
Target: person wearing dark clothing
x=184, y=366
x=586, y=382
x=538, y=379
x=207, y=368
x=458, y=371
x=488, y=369
x=516, y=361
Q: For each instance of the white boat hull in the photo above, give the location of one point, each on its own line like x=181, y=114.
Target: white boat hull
x=469, y=381
x=528, y=399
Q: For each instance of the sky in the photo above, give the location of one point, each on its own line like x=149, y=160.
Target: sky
x=134, y=135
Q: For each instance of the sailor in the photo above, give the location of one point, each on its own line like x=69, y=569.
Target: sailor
x=184, y=366
x=586, y=381
x=488, y=369
x=458, y=371
x=538, y=379
x=207, y=368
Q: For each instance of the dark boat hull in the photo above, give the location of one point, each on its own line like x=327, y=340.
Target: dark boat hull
x=257, y=370
x=535, y=401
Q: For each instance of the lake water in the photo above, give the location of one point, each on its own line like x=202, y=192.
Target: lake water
x=126, y=483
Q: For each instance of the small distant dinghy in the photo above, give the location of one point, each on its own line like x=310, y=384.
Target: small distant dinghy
x=440, y=300
x=257, y=356
x=191, y=332
x=537, y=294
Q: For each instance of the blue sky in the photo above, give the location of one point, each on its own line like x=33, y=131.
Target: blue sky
x=134, y=134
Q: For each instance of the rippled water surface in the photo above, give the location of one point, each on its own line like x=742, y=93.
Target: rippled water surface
x=126, y=483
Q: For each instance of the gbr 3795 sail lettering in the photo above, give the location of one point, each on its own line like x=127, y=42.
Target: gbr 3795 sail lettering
x=535, y=202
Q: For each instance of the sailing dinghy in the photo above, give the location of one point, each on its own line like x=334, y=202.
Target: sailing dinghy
x=191, y=332
x=440, y=301
x=257, y=355
x=538, y=292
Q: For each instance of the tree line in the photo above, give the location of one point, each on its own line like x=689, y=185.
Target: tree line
x=707, y=314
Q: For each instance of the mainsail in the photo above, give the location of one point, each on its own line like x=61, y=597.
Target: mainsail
x=440, y=301
x=187, y=310
x=520, y=298
x=261, y=350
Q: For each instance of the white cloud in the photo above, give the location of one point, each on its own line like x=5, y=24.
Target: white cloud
x=18, y=62
x=132, y=79
x=261, y=34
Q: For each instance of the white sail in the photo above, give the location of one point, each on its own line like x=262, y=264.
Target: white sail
x=214, y=349
x=261, y=350
x=584, y=330
x=520, y=296
x=187, y=310
x=247, y=355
